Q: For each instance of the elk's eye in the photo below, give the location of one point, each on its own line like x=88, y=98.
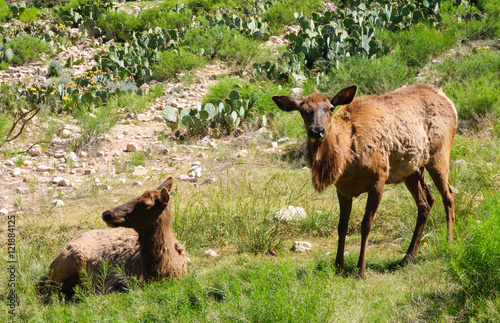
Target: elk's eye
x=332, y=108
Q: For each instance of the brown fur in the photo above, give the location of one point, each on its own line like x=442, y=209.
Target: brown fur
x=376, y=140
x=146, y=247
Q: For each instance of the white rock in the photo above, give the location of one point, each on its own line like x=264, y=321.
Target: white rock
x=4, y=212
x=9, y=163
x=211, y=253
x=184, y=178
x=101, y=153
x=83, y=154
x=122, y=180
x=63, y=182
x=291, y=213
x=459, y=162
x=241, y=153
x=195, y=164
x=283, y=139
x=27, y=163
x=65, y=133
x=70, y=157
x=57, y=203
x=137, y=183
x=270, y=151
x=21, y=190
x=106, y=187
x=274, y=144
x=301, y=246
x=139, y=171
x=36, y=150
x=43, y=168
x=59, y=154
x=201, y=155
x=132, y=147
x=88, y=171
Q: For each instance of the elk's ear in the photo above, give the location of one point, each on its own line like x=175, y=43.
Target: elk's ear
x=164, y=196
x=286, y=103
x=345, y=96
x=167, y=184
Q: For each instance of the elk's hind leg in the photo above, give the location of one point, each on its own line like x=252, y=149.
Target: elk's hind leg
x=424, y=199
x=438, y=169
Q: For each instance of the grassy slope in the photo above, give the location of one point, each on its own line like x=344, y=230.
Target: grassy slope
x=236, y=213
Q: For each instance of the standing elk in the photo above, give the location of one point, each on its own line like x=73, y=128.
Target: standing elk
x=146, y=247
x=376, y=140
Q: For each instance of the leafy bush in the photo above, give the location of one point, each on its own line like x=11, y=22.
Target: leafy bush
x=5, y=13
x=117, y=24
x=476, y=255
x=171, y=62
x=373, y=76
x=165, y=18
x=282, y=13
x=418, y=45
x=29, y=15
x=225, y=44
x=472, y=81
x=55, y=69
x=27, y=49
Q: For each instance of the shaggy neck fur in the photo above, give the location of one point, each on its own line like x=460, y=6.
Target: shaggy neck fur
x=154, y=245
x=326, y=159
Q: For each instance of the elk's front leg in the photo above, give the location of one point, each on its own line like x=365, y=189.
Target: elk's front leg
x=345, y=204
x=374, y=197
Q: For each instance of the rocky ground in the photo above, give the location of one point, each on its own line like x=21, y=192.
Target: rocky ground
x=53, y=175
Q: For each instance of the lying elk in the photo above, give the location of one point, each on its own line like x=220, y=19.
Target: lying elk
x=146, y=247
x=376, y=140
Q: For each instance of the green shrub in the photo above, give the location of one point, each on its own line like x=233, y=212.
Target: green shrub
x=27, y=49
x=114, y=23
x=4, y=65
x=165, y=18
x=55, y=69
x=171, y=62
x=418, y=45
x=282, y=13
x=226, y=44
x=475, y=97
x=476, y=255
x=472, y=82
x=29, y=15
x=5, y=13
x=373, y=76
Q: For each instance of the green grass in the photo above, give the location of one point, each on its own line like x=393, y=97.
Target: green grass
x=173, y=62
x=27, y=49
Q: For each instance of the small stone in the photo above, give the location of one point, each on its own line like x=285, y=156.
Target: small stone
x=290, y=213
x=297, y=92
x=139, y=171
x=459, y=162
x=65, y=133
x=106, y=187
x=283, y=139
x=16, y=172
x=101, y=153
x=195, y=164
x=57, y=203
x=21, y=190
x=201, y=155
x=4, y=212
x=70, y=157
x=36, y=150
x=132, y=147
x=211, y=253
x=59, y=154
x=122, y=180
x=241, y=153
x=43, y=168
x=184, y=178
x=63, y=182
x=137, y=183
x=88, y=171
x=27, y=163
x=83, y=154
x=270, y=151
x=274, y=144
x=301, y=246
x=9, y=163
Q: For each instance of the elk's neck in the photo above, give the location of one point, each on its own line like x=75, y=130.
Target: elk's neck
x=327, y=159
x=154, y=245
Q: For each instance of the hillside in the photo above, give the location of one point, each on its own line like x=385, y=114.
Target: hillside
x=100, y=101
